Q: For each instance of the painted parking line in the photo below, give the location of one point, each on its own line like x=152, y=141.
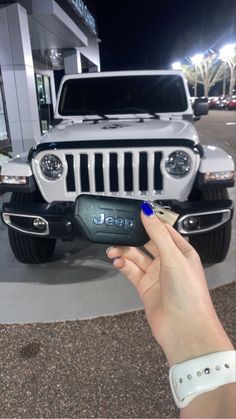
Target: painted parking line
x=230, y=123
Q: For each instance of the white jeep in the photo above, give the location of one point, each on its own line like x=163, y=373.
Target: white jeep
x=127, y=134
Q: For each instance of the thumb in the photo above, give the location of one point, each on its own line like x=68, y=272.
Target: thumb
x=161, y=238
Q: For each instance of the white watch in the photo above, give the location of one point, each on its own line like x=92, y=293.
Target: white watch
x=199, y=375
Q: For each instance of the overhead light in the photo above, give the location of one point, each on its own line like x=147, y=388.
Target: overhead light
x=176, y=66
x=197, y=59
x=228, y=51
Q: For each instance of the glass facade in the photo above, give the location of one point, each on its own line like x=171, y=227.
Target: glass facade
x=5, y=144
x=44, y=97
x=3, y=128
x=42, y=38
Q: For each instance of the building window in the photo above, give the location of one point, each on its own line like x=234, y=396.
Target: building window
x=87, y=65
x=44, y=96
x=3, y=128
x=5, y=144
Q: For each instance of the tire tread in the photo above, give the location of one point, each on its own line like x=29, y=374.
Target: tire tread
x=26, y=249
x=213, y=247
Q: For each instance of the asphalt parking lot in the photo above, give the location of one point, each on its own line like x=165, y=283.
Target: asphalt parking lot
x=219, y=128
x=80, y=283
x=109, y=367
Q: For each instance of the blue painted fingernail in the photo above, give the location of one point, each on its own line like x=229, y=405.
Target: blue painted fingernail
x=147, y=209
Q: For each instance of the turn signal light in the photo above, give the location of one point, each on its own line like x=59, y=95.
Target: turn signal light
x=13, y=180
x=214, y=176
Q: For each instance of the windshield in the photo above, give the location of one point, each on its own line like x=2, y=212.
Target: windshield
x=123, y=95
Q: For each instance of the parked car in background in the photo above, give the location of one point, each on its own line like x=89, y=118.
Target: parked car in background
x=213, y=102
x=231, y=103
x=210, y=100
x=217, y=102
x=223, y=102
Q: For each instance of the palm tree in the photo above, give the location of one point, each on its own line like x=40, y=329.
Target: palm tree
x=207, y=72
x=228, y=56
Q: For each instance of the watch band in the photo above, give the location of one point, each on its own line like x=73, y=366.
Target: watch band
x=199, y=375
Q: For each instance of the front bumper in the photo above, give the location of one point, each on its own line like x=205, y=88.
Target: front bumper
x=58, y=220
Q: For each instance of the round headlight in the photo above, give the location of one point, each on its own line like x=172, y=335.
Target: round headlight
x=51, y=166
x=178, y=163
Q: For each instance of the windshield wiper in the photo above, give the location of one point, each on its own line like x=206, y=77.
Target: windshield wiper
x=84, y=112
x=102, y=116
x=132, y=109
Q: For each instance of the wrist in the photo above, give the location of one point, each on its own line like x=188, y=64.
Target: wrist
x=197, y=342
x=196, y=350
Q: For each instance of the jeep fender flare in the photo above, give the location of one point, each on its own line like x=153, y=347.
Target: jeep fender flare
x=215, y=160
x=18, y=166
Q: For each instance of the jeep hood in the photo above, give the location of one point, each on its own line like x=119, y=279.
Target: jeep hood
x=70, y=130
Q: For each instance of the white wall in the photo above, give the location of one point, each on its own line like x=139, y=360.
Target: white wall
x=18, y=78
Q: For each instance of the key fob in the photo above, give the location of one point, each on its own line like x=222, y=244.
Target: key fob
x=110, y=220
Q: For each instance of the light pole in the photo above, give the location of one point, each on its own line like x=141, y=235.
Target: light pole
x=196, y=60
x=227, y=53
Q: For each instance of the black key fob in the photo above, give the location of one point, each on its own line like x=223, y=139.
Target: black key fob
x=110, y=220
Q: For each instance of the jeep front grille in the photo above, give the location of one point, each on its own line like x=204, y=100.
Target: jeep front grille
x=119, y=173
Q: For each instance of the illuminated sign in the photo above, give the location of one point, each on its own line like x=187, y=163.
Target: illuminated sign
x=83, y=12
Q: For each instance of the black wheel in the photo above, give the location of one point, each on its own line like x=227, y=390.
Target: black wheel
x=28, y=249
x=213, y=247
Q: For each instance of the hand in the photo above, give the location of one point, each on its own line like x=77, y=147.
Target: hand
x=172, y=285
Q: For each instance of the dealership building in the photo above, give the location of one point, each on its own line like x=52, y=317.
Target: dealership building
x=40, y=40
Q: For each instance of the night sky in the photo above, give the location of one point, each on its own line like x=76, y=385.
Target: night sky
x=150, y=34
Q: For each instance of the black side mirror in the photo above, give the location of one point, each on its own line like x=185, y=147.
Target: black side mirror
x=200, y=107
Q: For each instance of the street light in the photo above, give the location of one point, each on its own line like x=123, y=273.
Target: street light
x=176, y=65
x=226, y=54
x=196, y=60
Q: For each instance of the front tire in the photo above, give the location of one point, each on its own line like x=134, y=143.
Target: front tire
x=26, y=249
x=213, y=247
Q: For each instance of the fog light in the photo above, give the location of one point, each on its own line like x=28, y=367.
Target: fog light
x=191, y=223
x=39, y=224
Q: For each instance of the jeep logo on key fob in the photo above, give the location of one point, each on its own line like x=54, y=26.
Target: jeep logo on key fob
x=112, y=221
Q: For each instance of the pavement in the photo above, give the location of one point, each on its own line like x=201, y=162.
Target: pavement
x=109, y=367
x=218, y=128
x=78, y=283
